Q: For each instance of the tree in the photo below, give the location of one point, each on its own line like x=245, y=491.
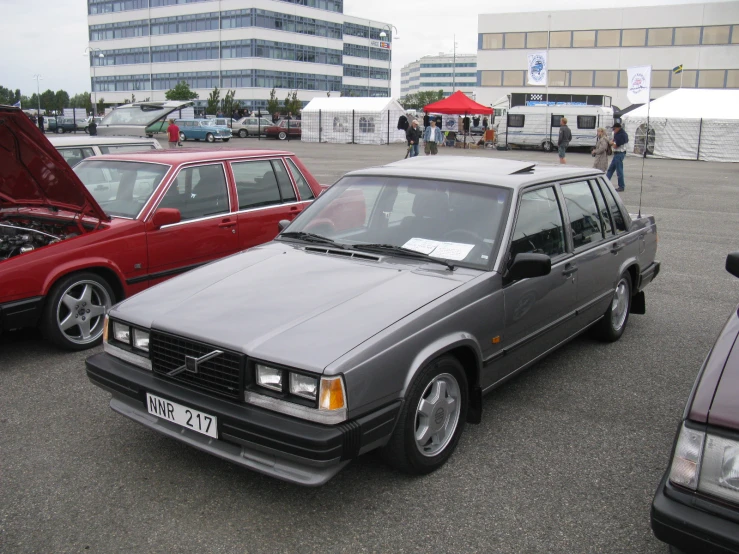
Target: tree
x=61, y=100
x=101, y=106
x=227, y=104
x=295, y=104
x=273, y=105
x=213, y=101
x=181, y=91
x=8, y=96
x=81, y=100
x=48, y=100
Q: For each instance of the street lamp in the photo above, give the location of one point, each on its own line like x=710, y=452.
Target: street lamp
x=384, y=35
x=38, y=78
x=94, y=94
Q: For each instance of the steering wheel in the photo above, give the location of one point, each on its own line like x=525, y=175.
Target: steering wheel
x=477, y=239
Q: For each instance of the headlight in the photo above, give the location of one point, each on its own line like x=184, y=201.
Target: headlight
x=719, y=474
x=141, y=339
x=118, y=343
x=686, y=463
x=303, y=386
x=269, y=377
x=121, y=332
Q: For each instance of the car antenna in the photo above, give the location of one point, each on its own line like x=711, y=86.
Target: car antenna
x=644, y=157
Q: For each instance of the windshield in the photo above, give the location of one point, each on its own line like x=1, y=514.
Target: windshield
x=120, y=188
x=452, y=221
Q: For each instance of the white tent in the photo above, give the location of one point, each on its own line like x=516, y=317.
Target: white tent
x=352, y=120
x=688, y=124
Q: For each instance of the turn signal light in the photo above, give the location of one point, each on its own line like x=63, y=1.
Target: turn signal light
x=105, y=328
x=332, y=394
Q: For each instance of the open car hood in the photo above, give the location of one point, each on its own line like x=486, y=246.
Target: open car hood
x=33, y=173
x=133, y=119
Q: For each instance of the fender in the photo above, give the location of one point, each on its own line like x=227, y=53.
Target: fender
x=79, y=265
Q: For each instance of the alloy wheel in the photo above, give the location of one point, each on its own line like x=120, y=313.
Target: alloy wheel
x=620, y=305
x=437, y=414
x=81, y=311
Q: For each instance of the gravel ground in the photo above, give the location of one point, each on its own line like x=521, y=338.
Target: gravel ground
x=566, y=459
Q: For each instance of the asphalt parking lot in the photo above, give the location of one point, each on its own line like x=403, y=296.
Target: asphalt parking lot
x=566, y=459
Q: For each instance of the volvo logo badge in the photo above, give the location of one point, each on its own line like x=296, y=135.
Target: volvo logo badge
x=191, y=363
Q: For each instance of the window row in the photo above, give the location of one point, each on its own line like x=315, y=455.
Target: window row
x=582, y=122
x=366, y=52
x=327, y=5
x=447, y=84
x=364, y=31
x=359, y=90
x=458, y=64
x=612, y=38
x=704, y=78
x=257, y=48
x=184, y=23
x=364, y=72
x=125, y=29
x=253, y=17
x=449, y=75
x=110, y=6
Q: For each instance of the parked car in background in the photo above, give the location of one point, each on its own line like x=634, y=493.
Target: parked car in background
x=49, y=123
x=75, y=242
x=74, y=149
x=283, y=129
x=89, y=120
x=62, y=125
x=251, y=125
x=135, y=118
x=202, y=129
x=696, y=506
x=380, y=316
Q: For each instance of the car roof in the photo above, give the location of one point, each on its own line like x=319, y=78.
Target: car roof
x=188, y=155
x=485, y=171
x=87, y=140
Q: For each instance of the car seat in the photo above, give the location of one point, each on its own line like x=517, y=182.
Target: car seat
x=210, y=195
x=430, y=209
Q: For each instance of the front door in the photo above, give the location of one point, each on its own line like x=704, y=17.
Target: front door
x=207, y=231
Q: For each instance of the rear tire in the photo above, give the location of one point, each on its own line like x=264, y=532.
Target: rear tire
x=282, y=135
x=432, y=418
x=243, y=133
x=60, y=131
x=612, y=325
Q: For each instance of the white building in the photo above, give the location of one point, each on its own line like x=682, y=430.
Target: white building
x=250, y=46
x=590, y=50
x=443, y=72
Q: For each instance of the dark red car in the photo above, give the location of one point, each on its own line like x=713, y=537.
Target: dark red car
x=284, y=128
x=74, y=242
x=696, y=507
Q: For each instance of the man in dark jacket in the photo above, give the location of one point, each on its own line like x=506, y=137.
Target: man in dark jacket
x=620, y=140
x=565, y=136
x=41, y=122
x=413, y=135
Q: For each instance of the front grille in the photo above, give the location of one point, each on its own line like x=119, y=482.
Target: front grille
x=221, y=374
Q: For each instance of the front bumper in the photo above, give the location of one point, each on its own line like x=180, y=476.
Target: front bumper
x=271, y=443
x=690, y=528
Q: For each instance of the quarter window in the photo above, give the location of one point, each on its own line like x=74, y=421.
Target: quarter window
x=539, y=228
x=305, y=191
x=256, y=184
x=618, y=218
x=584, y=218
x=198, y=192
x=605, y=217
x=283, y=181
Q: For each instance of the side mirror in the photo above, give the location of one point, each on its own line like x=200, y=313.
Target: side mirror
x=283, y=223
x=526, y=266
x=165, y=216
x=732, y=263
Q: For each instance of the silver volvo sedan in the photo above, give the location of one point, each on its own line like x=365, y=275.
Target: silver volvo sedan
x=380, y=316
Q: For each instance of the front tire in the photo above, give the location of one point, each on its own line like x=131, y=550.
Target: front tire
x=182, y=137
x=75, y=310
x=243, y=133
x=210, y=138
x=282, y=135
x=60, y=131
x=613, y=324
x=432, y=419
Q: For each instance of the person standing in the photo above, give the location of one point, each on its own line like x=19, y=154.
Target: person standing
x=432, y=137
x=93, y=128
x=173, y=134
x=565, y=136
x=620, y=140
x=426, y=120
x=275, y=118
x=41, y=122
x=484, y=122
x=413, y=135
x=601, y=150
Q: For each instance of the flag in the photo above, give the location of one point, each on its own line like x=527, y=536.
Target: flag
x=639, y=84
x=537, y=68
x=17, y=104
x=678, y=69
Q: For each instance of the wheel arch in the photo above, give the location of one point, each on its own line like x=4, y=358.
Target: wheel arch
x=103, y=268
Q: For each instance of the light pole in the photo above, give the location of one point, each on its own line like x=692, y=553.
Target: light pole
x=38, y=78
x=384, y=35
x=94, y=94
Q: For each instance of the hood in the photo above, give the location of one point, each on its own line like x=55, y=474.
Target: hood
x=281, y=304
x=33, y=173
x=133, y=119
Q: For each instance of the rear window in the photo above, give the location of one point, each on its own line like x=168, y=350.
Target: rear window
x=117, y=148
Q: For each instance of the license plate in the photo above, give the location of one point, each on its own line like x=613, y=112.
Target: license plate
x=182, y=415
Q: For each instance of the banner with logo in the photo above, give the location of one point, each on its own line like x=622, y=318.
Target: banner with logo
x=380, y=44
x=639, y=84
x=537, y=64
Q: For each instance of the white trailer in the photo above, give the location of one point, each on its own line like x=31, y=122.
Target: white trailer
x=538, y=126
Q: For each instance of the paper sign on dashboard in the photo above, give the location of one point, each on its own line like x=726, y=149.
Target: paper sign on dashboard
x=446, y=250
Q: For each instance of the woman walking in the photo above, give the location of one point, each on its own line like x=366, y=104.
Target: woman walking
x=602, y=146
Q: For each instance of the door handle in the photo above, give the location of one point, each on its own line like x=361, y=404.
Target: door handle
x=294, y=208
x=226, y=223
x=615, y=247
x=569, y=270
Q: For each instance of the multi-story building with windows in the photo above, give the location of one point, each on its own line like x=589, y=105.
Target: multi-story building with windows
x=443, y=72
x=590, y=50
x=249, y=46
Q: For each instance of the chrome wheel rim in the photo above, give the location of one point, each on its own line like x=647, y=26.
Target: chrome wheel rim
x=210, y=138
x=282, y=135
x=81, y=310
x=437, y=415
x=620, y=305
x=182, y=136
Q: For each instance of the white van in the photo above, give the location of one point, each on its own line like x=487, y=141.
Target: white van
x=77, y=148
x=538, y=126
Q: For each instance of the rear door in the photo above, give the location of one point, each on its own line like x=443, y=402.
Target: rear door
x=265, y=195
x=207, y=231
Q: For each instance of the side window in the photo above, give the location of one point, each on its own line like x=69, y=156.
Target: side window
x=516, y=119
x=586, y=122
x=557, y=120
x=539, y=227
x=73, y=156
x=305, y=191
x=584, y=218
x=283, y=181
x=618, y=218
x=604, y=215
x=256, y=184
x=198, y=192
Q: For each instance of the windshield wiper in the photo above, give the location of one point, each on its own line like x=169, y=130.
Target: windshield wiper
x=399, y=250
x=310, y=237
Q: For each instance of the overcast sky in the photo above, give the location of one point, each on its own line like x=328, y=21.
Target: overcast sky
x=48, y=37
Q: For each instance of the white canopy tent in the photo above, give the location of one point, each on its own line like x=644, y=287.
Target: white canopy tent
x=688, y=124
x=352, y=120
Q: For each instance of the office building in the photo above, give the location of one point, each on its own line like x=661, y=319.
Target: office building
x=249, y=46
x=443, y=72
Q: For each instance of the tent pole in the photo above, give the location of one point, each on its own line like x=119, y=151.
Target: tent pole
x=700, y=132
x=547, y=123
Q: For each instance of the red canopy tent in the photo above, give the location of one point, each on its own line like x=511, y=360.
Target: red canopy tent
x=458, y=104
